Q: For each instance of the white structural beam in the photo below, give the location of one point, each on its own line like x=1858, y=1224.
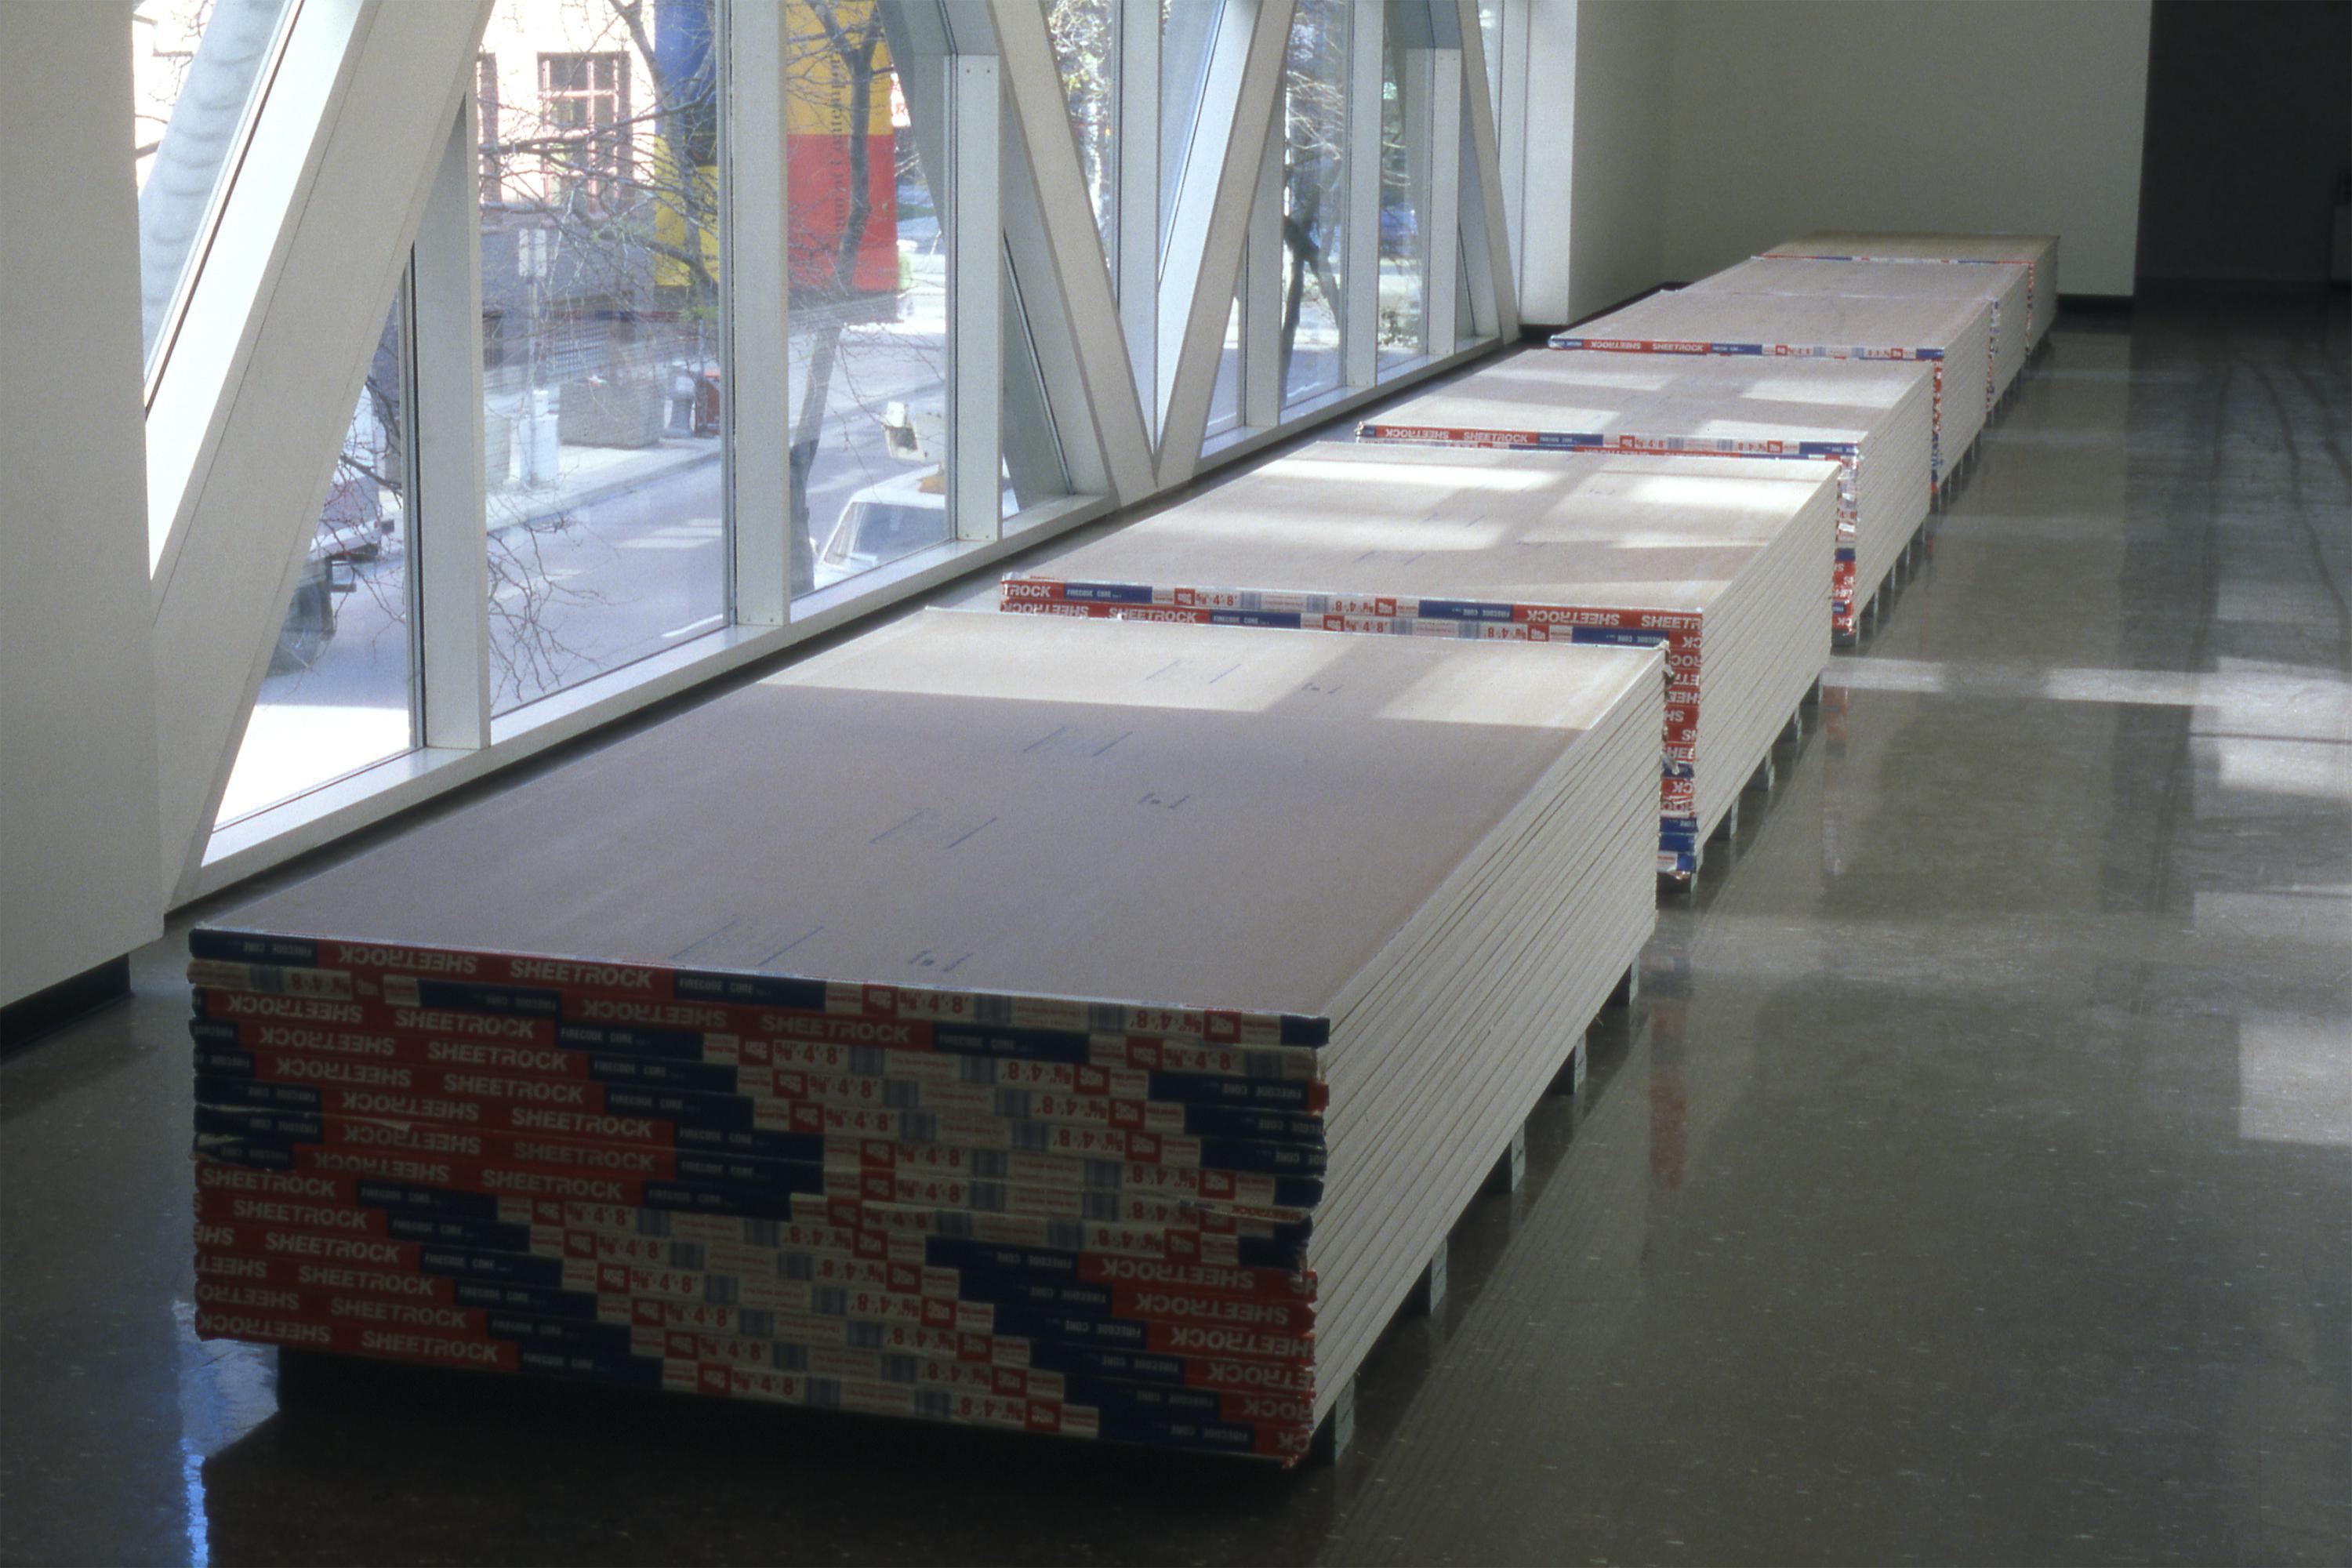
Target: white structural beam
x=1489, y=165
x=1210, y=219
x=192, y=386
x=756, y=413
x=1360, y=249
x=1135, y=259
x=1049, y=421
x=1261, y=284
x=1542, y=72
x=304, y=325
x=976, y=299
x=1440, y=232
x=1056, y=251
x=452, y=569
x=77, y=886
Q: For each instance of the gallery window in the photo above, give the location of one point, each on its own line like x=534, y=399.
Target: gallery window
x=603, y=363
x=1086, y=46
x=907, y=400
x=868, y=220
x=1408, y=82
x=339, y=694
x=1313, y=116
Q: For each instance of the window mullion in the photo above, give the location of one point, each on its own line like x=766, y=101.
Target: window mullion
x=1134, y=270
x=1438, y=118
x=1262, y=284
x=1360, y=287
x=451, y=572
x=755, y=279
x=975, y=301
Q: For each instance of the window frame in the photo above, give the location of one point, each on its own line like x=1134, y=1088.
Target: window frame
x=200, y=243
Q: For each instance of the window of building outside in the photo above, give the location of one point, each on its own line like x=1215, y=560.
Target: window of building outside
x=489, y=165
x=1314, y=197
x=1405, y=139
x=1085, y=46
x=197, y=67
x=866, y=195
x=339, y=694
x=584, y=102
x=603, y=380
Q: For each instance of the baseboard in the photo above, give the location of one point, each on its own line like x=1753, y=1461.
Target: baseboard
x=2094, y=305
x=28, y=1018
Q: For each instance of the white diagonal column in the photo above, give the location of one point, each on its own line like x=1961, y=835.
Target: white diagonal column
x=251, y=410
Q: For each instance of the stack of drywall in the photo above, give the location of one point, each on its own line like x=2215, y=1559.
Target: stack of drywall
x=2038, y=253
x=2000, y=285
x=1689, y=405
x=1026, y=1024
x=1717, y=558
x=1942, y=332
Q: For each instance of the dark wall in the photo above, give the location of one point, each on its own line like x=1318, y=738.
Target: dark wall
x=2248, y=138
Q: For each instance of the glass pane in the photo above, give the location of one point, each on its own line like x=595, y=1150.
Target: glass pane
x=1405, y=93
x=1466, y=310
x=336, y=696
x=868, y=351
x=1187, y=29
x=1034, y=470
x=1225, y=396
x=194, y=68
x=1490, y=34
x=1314, y=197
x=603, y=378
x=1085, y=46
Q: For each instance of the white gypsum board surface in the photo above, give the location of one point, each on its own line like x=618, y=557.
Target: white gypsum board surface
x=1650, y=543
x=1457, y=1069
x=1648, y=532
x=2000, y=284
x=1836, y=327
x=1560, y=394
x=1767, y=658
x=1771, y=326
x=1164, y=814
x=1408, y=1213
x=1948, y=244
x=2037, y=252
x=1875, y=415
x=1561, y=847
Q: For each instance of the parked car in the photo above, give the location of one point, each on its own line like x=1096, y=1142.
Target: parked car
x=884, y=523
x=359, y=515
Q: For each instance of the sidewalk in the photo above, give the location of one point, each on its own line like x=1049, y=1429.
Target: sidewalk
x=591, y=474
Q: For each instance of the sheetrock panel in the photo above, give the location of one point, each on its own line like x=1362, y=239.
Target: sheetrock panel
x=1086, y=1042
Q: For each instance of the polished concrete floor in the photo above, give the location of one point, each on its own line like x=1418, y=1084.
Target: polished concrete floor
x=1972, y=1182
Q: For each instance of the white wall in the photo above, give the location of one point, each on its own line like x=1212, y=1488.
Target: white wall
x=1623, y=65
x=78, y=802
x=1959, y=114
